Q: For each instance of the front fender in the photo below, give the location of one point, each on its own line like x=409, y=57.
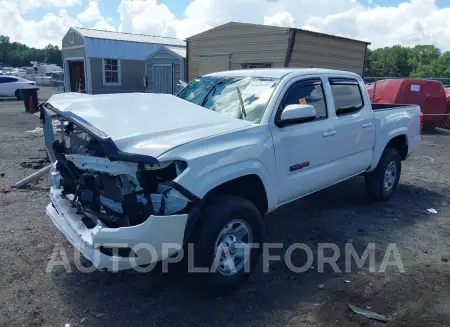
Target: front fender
x=214, y=177
x=219, y=159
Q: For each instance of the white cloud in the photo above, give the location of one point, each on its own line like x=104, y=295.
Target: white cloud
x=417, y=22
x=91, y=13
x=147, y=16
x=284, y=19
x=412, y=22
x=103, y=25
x=26, y=5
x=50, y=29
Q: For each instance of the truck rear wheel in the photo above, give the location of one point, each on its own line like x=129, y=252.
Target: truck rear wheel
x=382, y=182
x=227, y=242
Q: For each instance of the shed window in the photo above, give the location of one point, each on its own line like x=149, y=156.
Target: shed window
x=72, y=37
x=256, y=65
x=111, y=72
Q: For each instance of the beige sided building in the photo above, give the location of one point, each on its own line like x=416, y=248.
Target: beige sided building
x=241, y=45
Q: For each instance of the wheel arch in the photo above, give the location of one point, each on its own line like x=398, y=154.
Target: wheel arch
x=399, y=143
x=250, y=187
x=398, y=140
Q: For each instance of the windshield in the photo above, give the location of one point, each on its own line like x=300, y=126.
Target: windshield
x=239, y=97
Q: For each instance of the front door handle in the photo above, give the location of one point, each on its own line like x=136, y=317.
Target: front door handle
x=367, y=125
x=328, y=134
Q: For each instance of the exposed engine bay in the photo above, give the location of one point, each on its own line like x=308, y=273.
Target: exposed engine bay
x=118, y=193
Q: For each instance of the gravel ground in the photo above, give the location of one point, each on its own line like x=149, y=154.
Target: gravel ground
x=31, y=297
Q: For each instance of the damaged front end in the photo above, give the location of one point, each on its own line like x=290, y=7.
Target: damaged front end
x=118, y=209
x=103, y=184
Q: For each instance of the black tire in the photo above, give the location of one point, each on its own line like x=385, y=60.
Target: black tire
x=214, y=218
x=375, y=180
x=18, y=95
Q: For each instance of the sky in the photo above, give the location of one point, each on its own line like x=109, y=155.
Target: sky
x=381, y=22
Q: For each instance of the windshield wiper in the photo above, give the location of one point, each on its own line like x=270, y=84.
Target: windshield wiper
x=241, y=104
x=211, y=92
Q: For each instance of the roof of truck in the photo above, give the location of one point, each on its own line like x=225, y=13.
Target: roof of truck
x=279, y=72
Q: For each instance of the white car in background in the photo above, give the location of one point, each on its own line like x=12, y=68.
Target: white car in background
x=10, y=86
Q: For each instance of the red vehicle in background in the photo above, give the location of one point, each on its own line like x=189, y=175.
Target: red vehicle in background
x=447, y=94
x=428, y=94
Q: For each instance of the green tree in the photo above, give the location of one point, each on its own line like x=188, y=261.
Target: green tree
x=53, y=55
x=367, y=71
x=390, y=61
x=424, y=54
x=4, y=47
x=399, y=61
x=17, y=54
x=441, y=66
x=422, y=71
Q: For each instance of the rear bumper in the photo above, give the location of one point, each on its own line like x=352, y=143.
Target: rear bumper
x=154, y=240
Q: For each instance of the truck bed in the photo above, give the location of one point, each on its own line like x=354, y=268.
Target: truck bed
x=387, y=106
x=393, y=120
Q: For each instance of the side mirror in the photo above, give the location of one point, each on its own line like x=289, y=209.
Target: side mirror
x=296, y=113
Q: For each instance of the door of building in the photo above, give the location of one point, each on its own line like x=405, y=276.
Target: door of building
x=163, y=79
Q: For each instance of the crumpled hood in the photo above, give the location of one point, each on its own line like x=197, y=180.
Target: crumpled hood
x=145, y=123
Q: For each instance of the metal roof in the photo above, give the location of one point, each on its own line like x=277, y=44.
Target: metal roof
x=129, y=37
x=178, y=50
x=286, y=28
x=278, y=72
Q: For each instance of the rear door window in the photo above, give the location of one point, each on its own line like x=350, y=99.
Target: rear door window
x=347, y=95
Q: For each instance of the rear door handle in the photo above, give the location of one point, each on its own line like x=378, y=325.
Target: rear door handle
x=367, y=125
x=328, y=134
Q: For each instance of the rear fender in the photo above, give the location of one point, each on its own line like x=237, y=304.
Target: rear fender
x=380, y=146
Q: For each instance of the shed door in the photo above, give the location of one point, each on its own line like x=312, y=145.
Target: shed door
x=162, y=79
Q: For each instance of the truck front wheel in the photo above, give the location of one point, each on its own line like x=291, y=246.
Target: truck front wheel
x=227, y=242
x=382, y=182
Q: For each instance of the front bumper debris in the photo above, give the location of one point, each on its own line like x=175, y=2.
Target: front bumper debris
x=118, y=211
x=147, y=239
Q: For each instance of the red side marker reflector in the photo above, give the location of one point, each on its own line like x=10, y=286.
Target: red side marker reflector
x=299, y=166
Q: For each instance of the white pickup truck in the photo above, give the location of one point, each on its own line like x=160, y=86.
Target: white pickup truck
x=134, y=171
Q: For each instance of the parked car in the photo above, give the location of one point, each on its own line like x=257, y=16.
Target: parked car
x=57, y=79
x=205, y=166
x=428, y=94
x=10, y=86
x=19, y=72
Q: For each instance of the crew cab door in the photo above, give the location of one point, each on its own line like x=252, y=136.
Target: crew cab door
x=302, y=150
x=353, y=122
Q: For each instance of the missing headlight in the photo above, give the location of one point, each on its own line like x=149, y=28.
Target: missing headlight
x=120, y=193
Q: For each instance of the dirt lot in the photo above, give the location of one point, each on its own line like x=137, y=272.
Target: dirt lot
x=419, y=297
x=44, y=93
